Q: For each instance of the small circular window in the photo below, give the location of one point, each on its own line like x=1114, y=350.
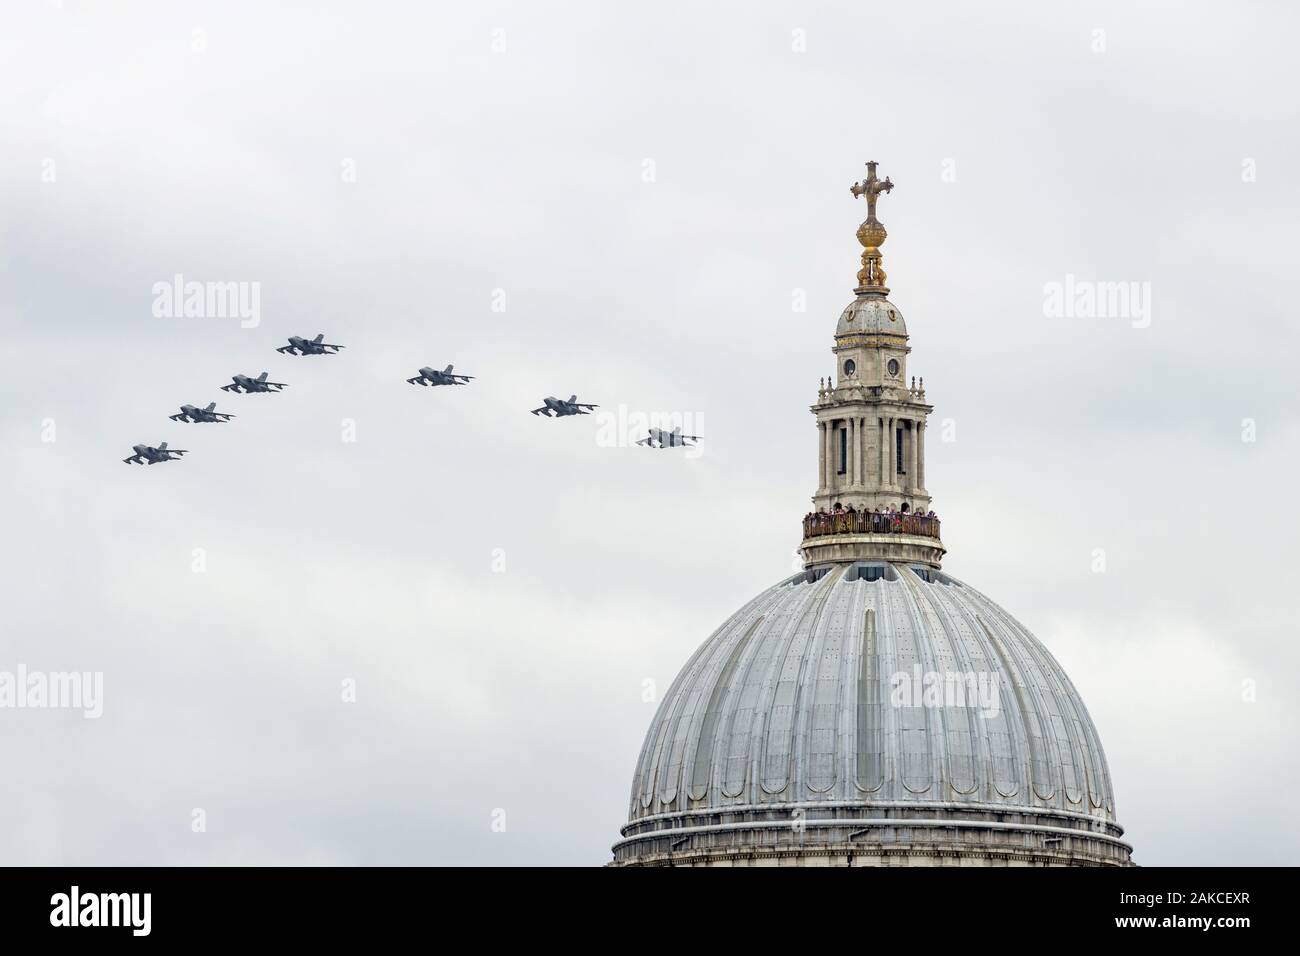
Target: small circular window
x=893, y=366
x=850, y=367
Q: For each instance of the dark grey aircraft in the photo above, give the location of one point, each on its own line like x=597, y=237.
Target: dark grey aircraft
x=189, y=413
x=148, y=455
x=559, y=408
x=658, y=438
x=300, y=346
x=431, y=376
x=242, y=383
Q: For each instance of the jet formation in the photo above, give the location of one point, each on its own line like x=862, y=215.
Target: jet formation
x=149, y=455
x=551, y=406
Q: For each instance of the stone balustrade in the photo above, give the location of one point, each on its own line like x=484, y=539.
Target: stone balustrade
x=869, y=522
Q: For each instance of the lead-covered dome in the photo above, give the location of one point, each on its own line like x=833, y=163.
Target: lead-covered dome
x=803, y=732
x=871, y=315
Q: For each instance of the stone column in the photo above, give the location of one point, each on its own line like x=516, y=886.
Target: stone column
x=821, y=455
x=902, y=453
x=835, y=457
x=848, y=453
x=863, y=441
x=854, y=437
x=909, y=455
x=920, y=455
x=862, y=452
x=893, y=454
x=900, y=481
x=824, y=429
x=832, y=455
x=916, y=456
x=883, y=458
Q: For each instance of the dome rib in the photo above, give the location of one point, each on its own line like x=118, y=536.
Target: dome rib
x=706, y=743
x=782, y=705
x=960, y=735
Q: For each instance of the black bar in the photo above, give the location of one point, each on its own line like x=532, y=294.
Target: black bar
x=1001, y=907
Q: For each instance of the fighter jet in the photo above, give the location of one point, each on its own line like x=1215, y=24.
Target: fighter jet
x=431, y=376
x=148, y=455
x=559, y=408
x=242, y=383
x=300, y=346
x=658, y=438
x=189, y=413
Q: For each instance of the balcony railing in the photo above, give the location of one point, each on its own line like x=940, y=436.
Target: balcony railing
x=869, y=522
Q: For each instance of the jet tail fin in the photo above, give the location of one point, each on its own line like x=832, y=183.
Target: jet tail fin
x=320, y=337
x=212, y=406
x=162, y=447
x=262, y=377
x=572, y=399
x=447, y=370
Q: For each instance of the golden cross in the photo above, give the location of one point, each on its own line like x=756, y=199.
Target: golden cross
x=871, y=187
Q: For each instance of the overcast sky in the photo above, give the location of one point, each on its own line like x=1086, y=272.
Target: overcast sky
x=627, y=202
